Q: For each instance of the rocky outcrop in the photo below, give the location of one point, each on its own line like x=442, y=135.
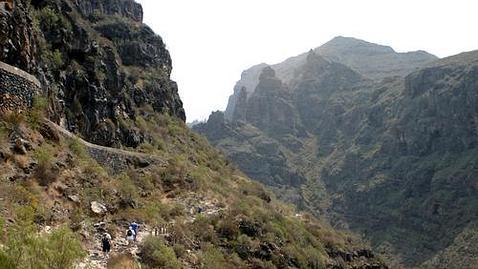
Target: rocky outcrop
x=393, y=159
x=269, y=107
x=17, y=40
x=98, y=64
x=123, y=8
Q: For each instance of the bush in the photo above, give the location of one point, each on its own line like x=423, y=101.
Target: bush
x=11, y=121
x=128, y=191
x=155, y=254
x=54, y=58
x=60, y=249
x=213, y=258
x=77, y=148
x=36, y=115
x=6, y=262
x=175, y=176
x=45, y=171
x=50, y=19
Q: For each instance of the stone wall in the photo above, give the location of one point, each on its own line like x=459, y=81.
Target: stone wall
x=118, y=160
x=17, y=88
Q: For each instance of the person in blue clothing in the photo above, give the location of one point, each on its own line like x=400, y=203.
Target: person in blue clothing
x=135, y=227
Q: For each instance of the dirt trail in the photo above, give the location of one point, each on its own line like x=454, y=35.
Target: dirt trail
x=119, y=246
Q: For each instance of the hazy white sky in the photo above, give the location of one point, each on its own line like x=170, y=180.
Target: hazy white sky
x=212, y=41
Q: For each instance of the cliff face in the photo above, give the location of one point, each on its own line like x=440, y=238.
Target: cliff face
x=392, y=159
x=100, y=66
x=124, y=8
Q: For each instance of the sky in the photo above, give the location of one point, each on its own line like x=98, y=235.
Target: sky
x=212, y=41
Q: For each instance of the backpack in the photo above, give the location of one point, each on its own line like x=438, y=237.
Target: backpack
x=129, y=233
x=105, y=240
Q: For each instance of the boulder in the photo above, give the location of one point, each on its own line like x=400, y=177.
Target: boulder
x=74, y=198
x=98, y=208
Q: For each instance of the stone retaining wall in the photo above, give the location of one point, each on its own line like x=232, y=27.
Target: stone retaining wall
x=17, y=88
x=118, y=160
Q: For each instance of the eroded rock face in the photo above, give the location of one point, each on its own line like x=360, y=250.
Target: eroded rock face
x=98, y=64
x=269, y=107
x=17, y=41
x=124, y=8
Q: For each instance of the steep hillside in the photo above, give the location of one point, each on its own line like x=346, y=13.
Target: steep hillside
x=395, y=160
x=105, y=76
x=98, y=64
x=372, y=61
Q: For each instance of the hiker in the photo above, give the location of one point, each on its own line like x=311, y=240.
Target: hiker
x=130, y=235
x=200, y=209
x=135, y=227
x=106, y=244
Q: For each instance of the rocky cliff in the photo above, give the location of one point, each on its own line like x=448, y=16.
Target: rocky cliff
x=393, y=159
x=99, y=65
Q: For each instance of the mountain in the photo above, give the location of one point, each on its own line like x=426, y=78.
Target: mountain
x=393, y=159
x=370, y=60
x=93, y=137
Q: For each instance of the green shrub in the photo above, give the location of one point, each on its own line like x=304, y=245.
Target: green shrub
x=60, y=249
x=36, y=115
x=77, y=148
x=146, y=148
x=155, y=254
x=212, y=258
x=45, y=171
x=50, y=19
x=179, y=250
x=53, y=58
x=6, y=262
x=203, y=230
x=128, y=191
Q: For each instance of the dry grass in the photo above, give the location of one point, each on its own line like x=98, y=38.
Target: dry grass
x=22, y=161
x=122, y=262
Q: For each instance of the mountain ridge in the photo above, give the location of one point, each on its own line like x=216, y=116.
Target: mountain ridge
x=375, y=68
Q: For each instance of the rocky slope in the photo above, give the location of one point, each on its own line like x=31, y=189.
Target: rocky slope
x=98, y=64
x=105, y=76
x=392, y=159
